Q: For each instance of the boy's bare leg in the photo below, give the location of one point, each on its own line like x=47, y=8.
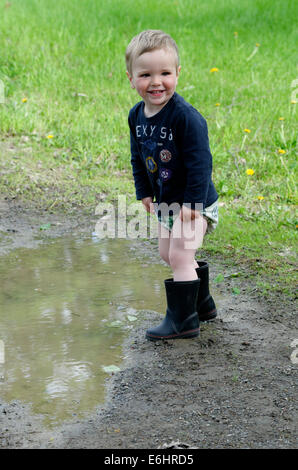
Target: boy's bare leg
x=186, y=238
x=205, y=226
x=164, y=243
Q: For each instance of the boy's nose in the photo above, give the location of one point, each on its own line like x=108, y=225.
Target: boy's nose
x=155, y=80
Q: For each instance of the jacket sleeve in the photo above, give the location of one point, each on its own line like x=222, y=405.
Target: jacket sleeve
x=141, y=179
x=197, y=158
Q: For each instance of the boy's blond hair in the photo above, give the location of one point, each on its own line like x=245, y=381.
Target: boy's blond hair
x=147, y=41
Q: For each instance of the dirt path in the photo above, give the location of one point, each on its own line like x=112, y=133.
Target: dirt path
x=233, y=387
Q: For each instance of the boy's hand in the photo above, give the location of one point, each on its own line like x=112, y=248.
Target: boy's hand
x=148, y=204
x=187, y=214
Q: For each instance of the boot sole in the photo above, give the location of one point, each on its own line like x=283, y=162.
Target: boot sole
x=184, y=335
x=208, y=316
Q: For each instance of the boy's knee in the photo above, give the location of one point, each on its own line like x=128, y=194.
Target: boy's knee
x=164, y=255
x=176, y=259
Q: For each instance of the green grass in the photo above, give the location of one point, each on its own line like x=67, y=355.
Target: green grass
x=67, y=59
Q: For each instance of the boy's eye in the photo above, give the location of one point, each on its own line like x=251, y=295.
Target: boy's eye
x=148, y=74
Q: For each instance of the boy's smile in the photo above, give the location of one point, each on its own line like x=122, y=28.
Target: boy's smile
x=155, y=76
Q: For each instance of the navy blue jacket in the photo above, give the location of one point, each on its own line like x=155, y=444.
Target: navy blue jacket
x=170, y=154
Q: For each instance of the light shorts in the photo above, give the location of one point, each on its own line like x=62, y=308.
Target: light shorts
x=210, y=213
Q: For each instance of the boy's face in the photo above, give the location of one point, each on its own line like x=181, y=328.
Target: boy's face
x=155, y=77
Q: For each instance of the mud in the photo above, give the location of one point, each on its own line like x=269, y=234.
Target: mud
x=233, y=387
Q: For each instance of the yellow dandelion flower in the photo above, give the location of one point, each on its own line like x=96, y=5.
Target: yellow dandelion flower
x=250, y=171
x=282, y=151
x=24, y=100
x=281, y=118
x=247, y=130
x=50, y=136
x=260, y=198
x=214, y=69
x=217, y=104
x=257, y=44
x=293, y=101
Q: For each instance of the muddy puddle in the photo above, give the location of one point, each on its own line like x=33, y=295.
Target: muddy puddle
x=65, y=308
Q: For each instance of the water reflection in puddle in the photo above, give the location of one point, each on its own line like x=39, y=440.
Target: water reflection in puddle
x=64, y=310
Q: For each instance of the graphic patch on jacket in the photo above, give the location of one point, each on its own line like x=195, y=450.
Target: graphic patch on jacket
x=151, y=165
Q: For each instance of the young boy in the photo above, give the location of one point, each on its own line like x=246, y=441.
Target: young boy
x=172, y=165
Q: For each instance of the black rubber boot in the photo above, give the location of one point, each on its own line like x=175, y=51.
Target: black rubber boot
x=206, y=307
x=181, y=320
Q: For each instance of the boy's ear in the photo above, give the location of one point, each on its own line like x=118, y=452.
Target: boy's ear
x=177, y=74
x=130, y=79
